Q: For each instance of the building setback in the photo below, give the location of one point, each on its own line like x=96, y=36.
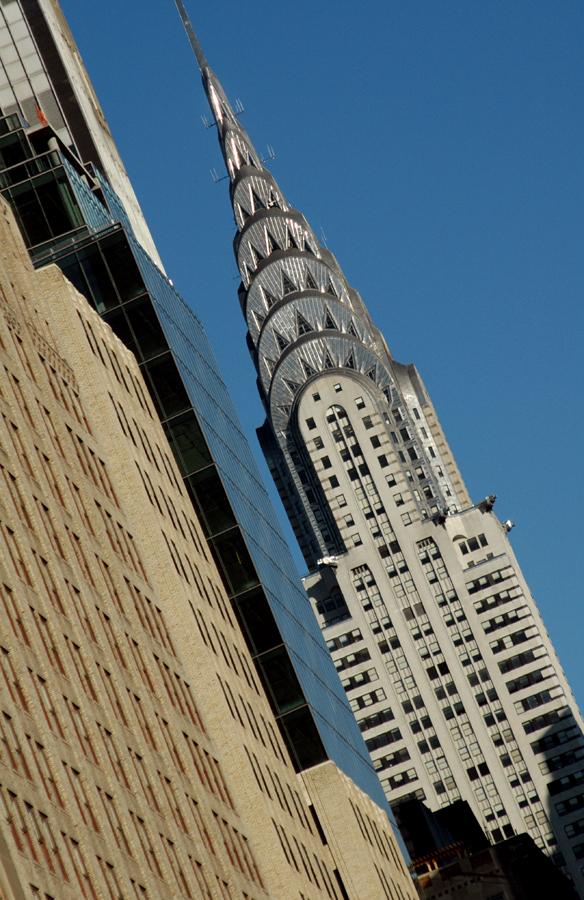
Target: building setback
x=69, y=213
x=430, y=622
x=140, y=757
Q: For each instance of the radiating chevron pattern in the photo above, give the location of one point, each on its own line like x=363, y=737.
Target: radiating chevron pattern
x=303, y=319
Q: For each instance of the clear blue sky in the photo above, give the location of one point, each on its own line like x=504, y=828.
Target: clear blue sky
x=439, y=146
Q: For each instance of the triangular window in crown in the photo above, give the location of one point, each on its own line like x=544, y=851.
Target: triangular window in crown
x=292, y=386
x=330, y=288
x=288, y=287
x=303, y=325
x=329, y=363
x=352, y=330
x=350, y=362
x=308, y=370
x=269, y=363
x=387, y=393
x=269, y=299
x=259, y=320
x=310, y=282
x=258, y=203
x=285, y=410
x=272, y=244
x=292, y=242
x=372, y=373
x=329, y=322
x=281, y=340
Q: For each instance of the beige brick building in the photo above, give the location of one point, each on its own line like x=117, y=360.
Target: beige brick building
x=139, y=755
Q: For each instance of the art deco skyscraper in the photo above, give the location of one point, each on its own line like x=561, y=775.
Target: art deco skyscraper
x=440, y=646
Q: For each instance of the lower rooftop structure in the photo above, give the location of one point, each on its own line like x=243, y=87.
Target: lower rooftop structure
x=451, y=857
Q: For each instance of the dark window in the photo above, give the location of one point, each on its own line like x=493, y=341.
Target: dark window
x=234, y=561
x=73, y=270
x=146, y=327
x=13, y=149
x=210, y=500
x=123, y=268
x=302, y=738
x=29, y=214
x=188, y=444
x=170, y=395
x=102, y=292
x=257, y=621
x=281, y=680
x=50, y=201
x=119, y=325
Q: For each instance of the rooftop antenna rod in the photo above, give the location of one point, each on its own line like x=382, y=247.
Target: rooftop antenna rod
x=193, y=39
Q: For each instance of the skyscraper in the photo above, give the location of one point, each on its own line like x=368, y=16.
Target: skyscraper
x=68, y=212
x=43, y=80
x=431, y=624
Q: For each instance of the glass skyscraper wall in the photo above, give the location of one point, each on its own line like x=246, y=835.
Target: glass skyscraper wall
x=69, y=214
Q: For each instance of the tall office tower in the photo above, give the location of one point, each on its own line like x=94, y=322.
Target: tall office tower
x=140, y=756
x=68, y=213
x=430, y=622
x=44, y=81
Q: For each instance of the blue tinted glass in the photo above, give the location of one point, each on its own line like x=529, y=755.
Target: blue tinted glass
x=249, y=500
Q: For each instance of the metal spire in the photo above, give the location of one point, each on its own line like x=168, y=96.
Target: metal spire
x=193, y=39
x=303, y=317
